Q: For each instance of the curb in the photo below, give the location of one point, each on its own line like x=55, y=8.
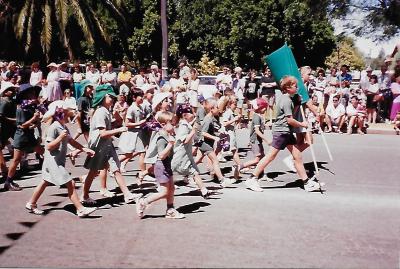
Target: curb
x=381, y=131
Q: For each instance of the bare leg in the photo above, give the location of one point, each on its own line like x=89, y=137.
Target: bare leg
x=265, y=161
x=38, y=192
x=73, y=195
x=14, y=163
x=88, y=183
x=352, y=121
x=298, y=162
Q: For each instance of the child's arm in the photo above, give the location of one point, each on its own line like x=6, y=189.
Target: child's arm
x=130, y=124
x=230, y=122
x=261, y=135
x=56, y=142
x=30, y=122
x=294, y=123
x=79, y=146
x=109, y=133
x=165, y=152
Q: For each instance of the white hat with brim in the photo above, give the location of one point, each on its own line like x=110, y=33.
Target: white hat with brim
x=5, y=85
x=158, y=98
x=52, y=65
x=57, y=104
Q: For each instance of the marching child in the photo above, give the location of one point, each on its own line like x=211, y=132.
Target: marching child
x=183, y=161
x=100, y=140
x=257, y=136
x=160, y=153
x=205, y=142
x=132, y=143
x=283, y=138
x=229, y=124
x=53, y=169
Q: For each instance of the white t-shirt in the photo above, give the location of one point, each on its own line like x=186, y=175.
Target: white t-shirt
x=77, y=77
x=335, y=112
x=93, y=77
x=110, y=78
x=351, y=110
x=36, y=78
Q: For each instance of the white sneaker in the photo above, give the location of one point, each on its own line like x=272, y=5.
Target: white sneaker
x=221, y=159
x=265, y=177
x=227, y=182
x=85, y=211
x=106, y=193
x=132, y=196
x=252, y=184
x=312, y=186
x=140, y=207
x=172, y=213
x=289, y=162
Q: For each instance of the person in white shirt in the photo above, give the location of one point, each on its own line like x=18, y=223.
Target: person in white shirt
x=54, y=91
x=154, y=75
x=373, y=97
x=224, y=79
x=93, y=75
x=3, y=71
x=36, y=75
x=109, y=77
x=355, y=115
x=184, y=70
x=335, y=114
x=238, y=85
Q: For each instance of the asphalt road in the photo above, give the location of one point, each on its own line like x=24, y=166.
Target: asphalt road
x=353, y=224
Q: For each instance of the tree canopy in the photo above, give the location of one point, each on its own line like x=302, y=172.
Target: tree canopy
x=346, y=53
x=234, y=32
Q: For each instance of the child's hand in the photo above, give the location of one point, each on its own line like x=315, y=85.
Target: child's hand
x=64, y=134
x=89, y=152
x=304, y=124
x=122, y=129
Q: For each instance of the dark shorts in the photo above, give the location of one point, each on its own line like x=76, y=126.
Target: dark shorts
x=257, y=149
x=281, y=140
x=162, y=173
x=205, y=148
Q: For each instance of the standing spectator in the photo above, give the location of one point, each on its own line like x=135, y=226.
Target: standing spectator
x=364, y=81
x=69, y=100
x=384, y=82
x=65, y=77
x=93, y=75
x=175, y=82
x=77, y=77
x=110, y=77
x=238, y=84
x=320, y=85
x=372, y=98
x=3, y=71
x=193, y=86
x=124, y=80
x=224, y=80
x=268, y=87
x=335, y=115
x=345, y=80
x=13, y=73
x=53, y=86
x=331, y=89
x=251, y=87
x=154, y=75
x=395, y=88
x=140, y=79
x=184, y=70
x=36, y=75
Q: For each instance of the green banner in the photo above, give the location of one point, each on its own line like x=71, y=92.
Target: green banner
x=282, y=63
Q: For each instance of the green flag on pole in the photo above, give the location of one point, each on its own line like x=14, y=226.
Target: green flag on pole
x=282, y=63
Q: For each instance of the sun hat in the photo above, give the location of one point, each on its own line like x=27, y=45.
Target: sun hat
x=86, y=83
x=51, y=110
x=158, y=98
x=52, y=65
x=5, y=85
x=101, y=92
x=237, y=69
x=259, y=103
x=24, y=88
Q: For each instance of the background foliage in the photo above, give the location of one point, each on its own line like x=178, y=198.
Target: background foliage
x=234, y=32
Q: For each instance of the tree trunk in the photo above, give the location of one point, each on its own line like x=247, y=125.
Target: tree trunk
x=164, y=30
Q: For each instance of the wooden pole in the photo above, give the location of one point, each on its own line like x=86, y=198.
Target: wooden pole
x=164, y=30
x=308, y=135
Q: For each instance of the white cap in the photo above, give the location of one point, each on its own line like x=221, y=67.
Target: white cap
x=158, y=98
x=5, y=85
x=52, y=65
x=57, y=104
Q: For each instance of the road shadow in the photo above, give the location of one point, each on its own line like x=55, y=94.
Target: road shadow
x=192, y=208
x=197, y=193
x=274, y=175
x=295, y=184
x=311, y=168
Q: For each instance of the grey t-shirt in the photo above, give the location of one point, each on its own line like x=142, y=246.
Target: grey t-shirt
x=256, y=121
x=284, y=109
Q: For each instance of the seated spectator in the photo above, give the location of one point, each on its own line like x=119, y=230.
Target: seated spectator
x=355, y=115
x=320, y=85
x=315, y=122
x=335, y=115
x=124, y=78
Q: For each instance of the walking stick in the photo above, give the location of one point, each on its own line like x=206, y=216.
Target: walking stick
x=326, y=144
x=311, y=145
